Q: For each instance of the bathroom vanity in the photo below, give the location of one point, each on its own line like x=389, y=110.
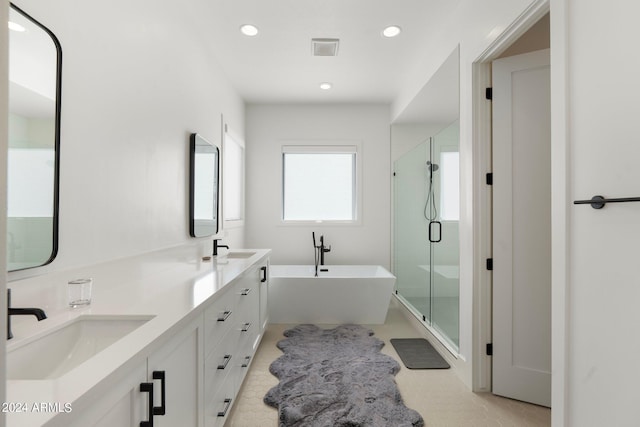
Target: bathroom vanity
x=170, y=350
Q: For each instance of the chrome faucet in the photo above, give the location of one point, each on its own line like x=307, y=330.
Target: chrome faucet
x=216, y=246
x=39, y=313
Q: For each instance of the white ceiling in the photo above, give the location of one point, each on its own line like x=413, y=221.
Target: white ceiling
x=276, y=66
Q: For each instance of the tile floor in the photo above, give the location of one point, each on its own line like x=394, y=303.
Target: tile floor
x=438, y=395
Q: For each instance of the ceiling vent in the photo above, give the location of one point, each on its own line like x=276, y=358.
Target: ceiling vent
x=324, y=47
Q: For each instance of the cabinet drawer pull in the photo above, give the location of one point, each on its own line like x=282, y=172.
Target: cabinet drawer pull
x=245, y=327
x=148, y=388
x=245, y=292
x=227, y=404
x=226, y=359
x=246, y=361
x=162, y=409
x=224, y=316
x=264, y=274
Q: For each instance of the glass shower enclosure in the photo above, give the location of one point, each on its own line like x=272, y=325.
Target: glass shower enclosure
x=426, y=224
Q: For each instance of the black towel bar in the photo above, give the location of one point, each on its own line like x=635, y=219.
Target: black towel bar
x=598, y=202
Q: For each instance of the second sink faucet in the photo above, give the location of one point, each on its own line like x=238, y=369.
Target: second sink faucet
x=216, y=246
x=38, y=312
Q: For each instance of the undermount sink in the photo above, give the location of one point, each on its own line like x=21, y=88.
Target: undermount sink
x=66, y=347
x=240, y=254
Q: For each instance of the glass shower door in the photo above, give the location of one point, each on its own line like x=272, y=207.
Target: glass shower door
x=412, y=253
x=445, y=283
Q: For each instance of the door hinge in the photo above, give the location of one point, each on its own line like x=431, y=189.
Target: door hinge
x=488, y=93
x=490, y=264
x=490, y=178
x=490, y=349
x=394, y=174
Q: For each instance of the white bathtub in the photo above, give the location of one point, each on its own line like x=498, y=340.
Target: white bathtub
x=343, y=294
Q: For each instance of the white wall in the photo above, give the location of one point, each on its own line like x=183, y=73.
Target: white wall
x=603, y=275
x=4, y=148
x=271, y=126
x=474, y=26
x=137, y=79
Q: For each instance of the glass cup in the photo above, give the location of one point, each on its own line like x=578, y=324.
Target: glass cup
x=80, y=292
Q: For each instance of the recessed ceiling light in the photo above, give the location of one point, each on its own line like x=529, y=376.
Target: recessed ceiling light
x=16, y=27
x=249, y=30
x=391, y=31
x=325, y=85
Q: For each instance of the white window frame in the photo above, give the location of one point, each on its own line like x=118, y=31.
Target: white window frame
x=233, y=223
x=441, y=190
x=329, y=147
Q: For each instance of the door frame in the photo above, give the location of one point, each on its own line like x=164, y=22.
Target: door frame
x=482, y=163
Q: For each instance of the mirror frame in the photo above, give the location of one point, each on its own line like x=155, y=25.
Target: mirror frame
x=56, y=146
x=196, y=227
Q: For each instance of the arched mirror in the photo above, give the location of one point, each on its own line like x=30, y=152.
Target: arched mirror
x=35, y=61
x=205, y=175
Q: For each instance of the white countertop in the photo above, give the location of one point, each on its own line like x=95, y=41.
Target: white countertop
x=174, y=297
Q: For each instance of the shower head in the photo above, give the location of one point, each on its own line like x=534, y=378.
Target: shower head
x=432, y=167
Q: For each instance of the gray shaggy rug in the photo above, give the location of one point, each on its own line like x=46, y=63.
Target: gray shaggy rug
x=337, y=377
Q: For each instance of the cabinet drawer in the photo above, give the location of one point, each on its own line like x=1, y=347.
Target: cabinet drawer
x=218, y=408
x=218, y=319
x=248, y=294
x=223, y=357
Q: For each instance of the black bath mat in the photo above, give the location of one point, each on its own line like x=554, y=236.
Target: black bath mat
x=418, y=353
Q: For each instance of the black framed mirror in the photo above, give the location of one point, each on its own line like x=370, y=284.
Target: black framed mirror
x=204, y=187
x=35, y=65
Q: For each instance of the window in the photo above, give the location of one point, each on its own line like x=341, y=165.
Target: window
x=319, y=183
x=233, y=182
x=450, y=186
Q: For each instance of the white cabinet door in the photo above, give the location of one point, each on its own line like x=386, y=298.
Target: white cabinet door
x=175, y=370
x=122, y=405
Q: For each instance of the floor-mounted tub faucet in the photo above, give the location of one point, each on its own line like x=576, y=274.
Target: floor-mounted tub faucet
x=323, y=249
x=39, y=313
x=320, y=250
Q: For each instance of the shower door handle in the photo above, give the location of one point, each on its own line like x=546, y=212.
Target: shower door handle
x=437, y=224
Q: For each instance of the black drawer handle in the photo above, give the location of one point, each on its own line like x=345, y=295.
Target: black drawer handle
x=224, y=316
x=148, y=388
x=226, y=359
x=162, y=409
x=264, y=274
x=227, y=404
x=245, y=327
x=246, y=361
x=245, y=292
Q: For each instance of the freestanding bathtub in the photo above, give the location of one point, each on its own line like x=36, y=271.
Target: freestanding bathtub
x=343, y=294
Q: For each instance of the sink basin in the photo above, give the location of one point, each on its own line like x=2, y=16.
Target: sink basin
x=59, y=351
x=240, y=254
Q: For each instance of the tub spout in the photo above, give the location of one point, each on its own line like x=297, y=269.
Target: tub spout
x=323, y=249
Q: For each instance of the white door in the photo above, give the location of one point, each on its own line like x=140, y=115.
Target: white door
x=522, y=228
